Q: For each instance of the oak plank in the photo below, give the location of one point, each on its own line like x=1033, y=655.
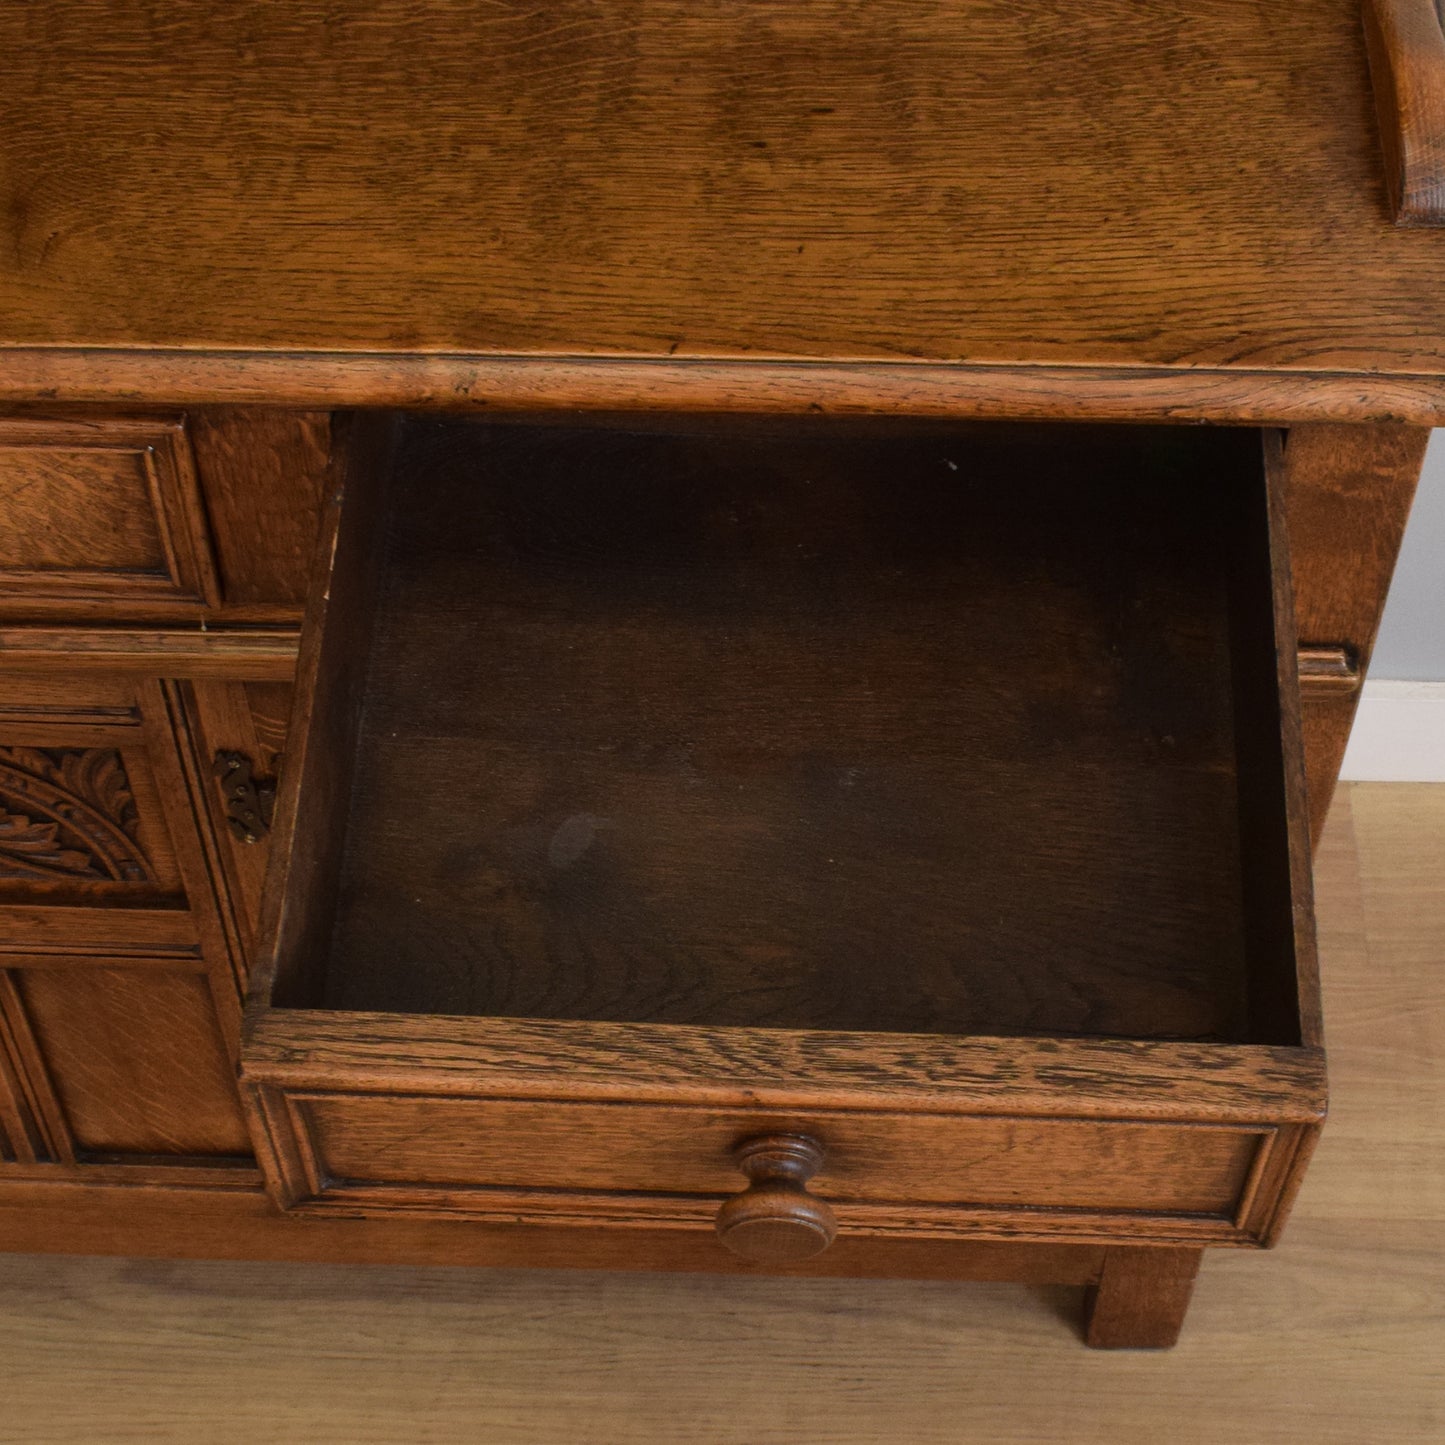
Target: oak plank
x=1111, y=186
x=263, y=653
x=263, y=471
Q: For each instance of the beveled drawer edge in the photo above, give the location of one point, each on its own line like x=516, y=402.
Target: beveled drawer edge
x=300, y=1050
x=883, y=1105
x=618, y=1210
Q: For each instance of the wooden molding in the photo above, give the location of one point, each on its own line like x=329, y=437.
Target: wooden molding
x=25, y=927
x=19, y=1136
x=184, y=1219
x=438, y=381
x=252, y=654
x=1348, y=491
x=1406, y=40
x=187, y=1174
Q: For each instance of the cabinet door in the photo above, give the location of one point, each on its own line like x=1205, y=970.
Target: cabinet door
x=120, y=968
x=152, y=569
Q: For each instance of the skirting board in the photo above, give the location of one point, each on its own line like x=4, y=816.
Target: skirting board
x=1399, y=734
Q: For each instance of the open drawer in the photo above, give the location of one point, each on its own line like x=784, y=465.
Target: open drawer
x=906, y=817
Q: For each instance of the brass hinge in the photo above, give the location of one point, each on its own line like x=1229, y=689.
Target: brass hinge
x=250, y=800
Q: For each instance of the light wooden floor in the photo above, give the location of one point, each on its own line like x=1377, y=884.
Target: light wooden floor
x=1338, y=1336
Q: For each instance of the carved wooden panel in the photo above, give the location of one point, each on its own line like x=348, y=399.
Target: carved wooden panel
x=104, y=508
x=84, y=824
x=119, y=968
x=93, y=818
x=114, y=835
x=67, y=815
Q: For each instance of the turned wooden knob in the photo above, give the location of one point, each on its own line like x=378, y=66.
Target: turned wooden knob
x=775, y=1220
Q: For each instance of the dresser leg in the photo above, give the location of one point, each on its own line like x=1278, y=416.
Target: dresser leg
x=1140, y=1298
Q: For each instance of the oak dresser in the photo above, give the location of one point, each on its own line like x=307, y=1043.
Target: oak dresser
x=672, y=635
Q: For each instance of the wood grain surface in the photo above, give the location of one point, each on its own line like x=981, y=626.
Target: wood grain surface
x=1336, y=1339
x=263, y=653
x=659, y=707
x=1141, y=1298
x=773, y=1068
x=263, y=472
x=435, y=381
x=881, y=1157
x=915, y=1175
x=1120, y=186
x=101, y=509
x=137, y=1060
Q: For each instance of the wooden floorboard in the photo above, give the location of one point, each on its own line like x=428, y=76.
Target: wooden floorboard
x=1337, y=1338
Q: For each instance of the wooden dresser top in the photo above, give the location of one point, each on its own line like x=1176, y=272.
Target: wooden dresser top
x=1124, y=207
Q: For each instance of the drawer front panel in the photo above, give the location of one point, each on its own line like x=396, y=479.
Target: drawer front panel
x=404, y=1152
x=106, y=508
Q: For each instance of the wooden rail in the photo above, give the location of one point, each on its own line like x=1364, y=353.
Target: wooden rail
x=1406, y=41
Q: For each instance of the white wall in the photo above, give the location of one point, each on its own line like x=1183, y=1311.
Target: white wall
x=1411, y=646
x=1399, y=733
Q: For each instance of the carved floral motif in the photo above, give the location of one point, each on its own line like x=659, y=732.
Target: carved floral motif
x=68, y=814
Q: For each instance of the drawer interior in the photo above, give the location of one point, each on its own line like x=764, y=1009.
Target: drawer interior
x=805, y=724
